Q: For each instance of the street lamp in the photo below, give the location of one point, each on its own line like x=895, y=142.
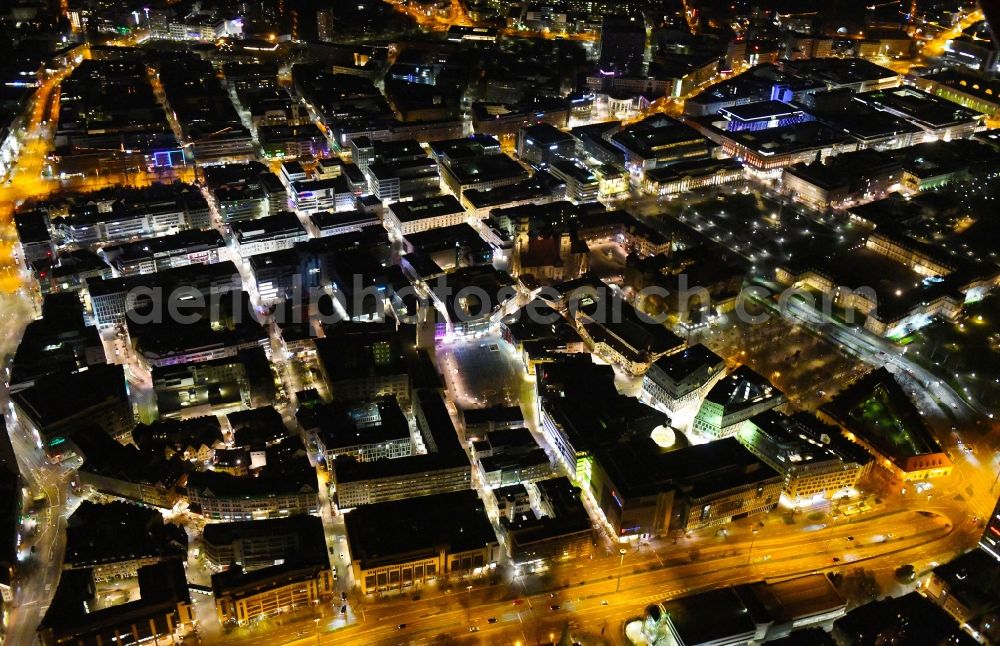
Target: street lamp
x=750, y=553
x=621, y=562
x=468, y=603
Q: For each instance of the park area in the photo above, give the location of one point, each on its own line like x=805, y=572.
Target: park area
x=879, y=421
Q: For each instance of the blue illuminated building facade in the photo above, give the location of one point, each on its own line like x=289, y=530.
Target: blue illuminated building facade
x=763, y=115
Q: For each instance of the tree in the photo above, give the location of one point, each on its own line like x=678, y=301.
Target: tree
x=905, y=573
x=859, y=587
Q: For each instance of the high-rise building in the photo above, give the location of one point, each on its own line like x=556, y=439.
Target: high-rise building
x=623, y=44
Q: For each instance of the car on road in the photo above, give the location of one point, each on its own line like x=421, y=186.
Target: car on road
x=400, y=626
x=343, y=596
x=343, y=610
x=604, y=602
x=836, y=560
x=518, y=602
x=473, y=629
x=491, y=620
x=554, y=606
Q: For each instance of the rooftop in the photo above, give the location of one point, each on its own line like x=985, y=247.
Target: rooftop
x=427, y=208
x=808, y=135
x=472, y=171
x=655, y=134
x=118, y=531
x=793, y=600
x=762, y=110
x=713, y=616
x=839, y=71
x=213, y=484
x=926, y=109
x=309, y=528
x=912, y=618
x=183, y=241
x=78, y=391
x=640, y=467
x=476, y=144
x=979, y=86
x=186, y=275
x=973, y=579
x=694, y=169
x=284, y=222
x=237, y=584
x=347, y=424
x=333, y=220
x=391, y=532
x=573, y=169
x=178, y=434
x=544, y=134
x=688, y=361
x=495, y=414
x=360, y=350
x=539, y=186
x=800, y=440
x=741, y=389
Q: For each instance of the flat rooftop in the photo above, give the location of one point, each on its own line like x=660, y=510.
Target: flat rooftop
x=403, y=530
x=574, y=170
x=116, y=532
x=332, y=220
x=641, y=468
x=696, y=168
x=343, y=425
x=494, y=414
x=78, y=391
x=808, y=135
x=540, y=186
x=654, y=134
x=237, y=584
x=544, y=134
x=709, y=617
x=742, y=388
x=191, y=239
x=266, y=485
x=866, y=123
x=681, y=364
x=926, y=109
x=839, y=71
x=798, y=599
x=186, y=275
x=281, y=223
x=802, y=439
x=309, y=528
x=428, y=208
x=482, y=169
x=762, y=110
